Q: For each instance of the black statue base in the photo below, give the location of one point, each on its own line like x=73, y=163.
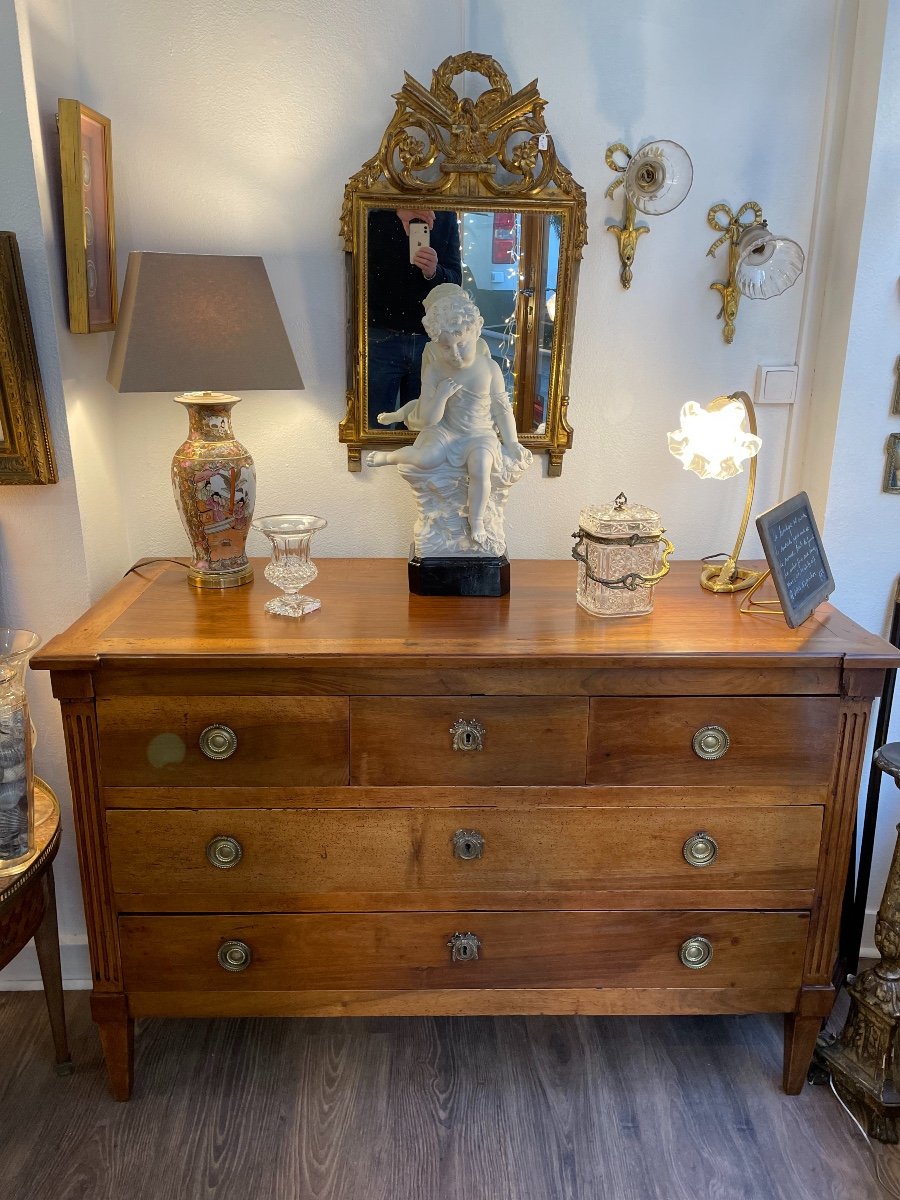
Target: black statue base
x=459, y=576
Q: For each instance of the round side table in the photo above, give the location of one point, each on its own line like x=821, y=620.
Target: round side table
x=28, y=910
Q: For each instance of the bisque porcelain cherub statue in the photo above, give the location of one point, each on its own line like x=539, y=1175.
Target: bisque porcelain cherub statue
x=464, y=420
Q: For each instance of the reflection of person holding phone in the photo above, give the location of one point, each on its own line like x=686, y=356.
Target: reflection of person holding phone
x=410, y=251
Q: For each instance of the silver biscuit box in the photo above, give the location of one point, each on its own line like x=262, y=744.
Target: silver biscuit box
x=621, y=553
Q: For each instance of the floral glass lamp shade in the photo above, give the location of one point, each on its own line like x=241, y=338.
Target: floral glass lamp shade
x=205, y=325
x=713, y=443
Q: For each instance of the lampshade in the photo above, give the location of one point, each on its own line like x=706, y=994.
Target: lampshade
x=766, y=265
x=658, y=177
x=712, y=441
x=195, y=322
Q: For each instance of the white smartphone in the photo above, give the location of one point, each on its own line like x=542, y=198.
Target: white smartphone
x=418, y=238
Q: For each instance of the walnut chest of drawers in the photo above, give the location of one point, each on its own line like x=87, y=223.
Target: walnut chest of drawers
x=423, y=805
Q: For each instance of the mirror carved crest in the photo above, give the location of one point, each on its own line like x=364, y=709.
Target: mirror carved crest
x=519, y=219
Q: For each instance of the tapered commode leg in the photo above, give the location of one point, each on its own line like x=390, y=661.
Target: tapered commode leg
x=801, y=1028
x=110, y=1012
x=46, y=942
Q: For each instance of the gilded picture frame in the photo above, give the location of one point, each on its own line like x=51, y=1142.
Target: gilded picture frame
x=493, y=161
x=85, y=154
x=26, y=448
x=891, y=482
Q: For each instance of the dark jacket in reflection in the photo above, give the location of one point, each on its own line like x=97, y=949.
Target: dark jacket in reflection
x=397, y=288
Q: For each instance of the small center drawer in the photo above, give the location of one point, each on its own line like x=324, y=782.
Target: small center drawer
x=224, y=741
x=468, y=740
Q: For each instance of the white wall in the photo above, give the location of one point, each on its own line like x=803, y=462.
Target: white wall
x=235, y=128
x=43, y=574
x=862, y=524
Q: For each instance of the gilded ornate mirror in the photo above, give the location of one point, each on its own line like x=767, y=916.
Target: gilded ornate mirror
x=463, y=191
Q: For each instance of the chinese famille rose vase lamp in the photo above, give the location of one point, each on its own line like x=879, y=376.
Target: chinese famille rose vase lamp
x=210, y=322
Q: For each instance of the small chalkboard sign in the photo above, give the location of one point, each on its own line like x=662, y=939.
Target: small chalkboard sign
x=796, y=558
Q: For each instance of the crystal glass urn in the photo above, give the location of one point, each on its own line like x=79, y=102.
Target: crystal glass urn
x=290, y=567
x=16, y=769
x=618, y=551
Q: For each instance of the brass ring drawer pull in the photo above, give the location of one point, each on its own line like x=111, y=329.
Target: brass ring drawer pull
x=700, y=850
x=218, y=741
x=467, y=735
x=468, y=844
x=464, y=947
x=224, y=852
x=710, y=742
x=696, y=953
x=234, y=956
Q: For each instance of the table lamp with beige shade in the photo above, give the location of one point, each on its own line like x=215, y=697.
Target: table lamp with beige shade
x=205, y=326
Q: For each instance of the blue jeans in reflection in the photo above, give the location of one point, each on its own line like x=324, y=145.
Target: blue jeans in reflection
x=394, y=366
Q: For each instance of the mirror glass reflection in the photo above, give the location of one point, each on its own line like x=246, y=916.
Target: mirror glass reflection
x=508, y=262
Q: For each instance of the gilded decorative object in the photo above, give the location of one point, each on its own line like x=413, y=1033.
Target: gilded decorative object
x=85, y=153
x=215, y=489
x=655, y=181
x=696, y=953
x=760, y=265
x=713, y=443
x=26, y=448
x=464, y=947
x=467, y=735
x=224, y=852
x=891, y=482
x=234, y=956
x=617, y=548
x=218, y=741
x=711, y=742
x=863, y=1061
x=468, y=844
x=478, y=157
x=700, y=850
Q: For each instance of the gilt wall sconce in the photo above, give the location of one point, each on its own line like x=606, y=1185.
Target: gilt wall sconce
x=760, y=265
x=656, y=179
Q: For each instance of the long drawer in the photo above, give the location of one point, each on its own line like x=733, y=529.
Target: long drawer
x=745, y=740
x=246, y=859
x=156, y=740
x=405, y=951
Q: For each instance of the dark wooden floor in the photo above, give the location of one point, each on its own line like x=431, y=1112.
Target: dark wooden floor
x=422, y=1109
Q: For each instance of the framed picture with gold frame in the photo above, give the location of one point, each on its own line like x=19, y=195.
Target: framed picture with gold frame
x=892, y=465
x=26, y=450
x=85, y=153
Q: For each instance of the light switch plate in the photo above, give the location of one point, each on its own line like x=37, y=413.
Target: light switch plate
x=776, y=384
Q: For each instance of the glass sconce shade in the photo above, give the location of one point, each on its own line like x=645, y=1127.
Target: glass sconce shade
x=658, y=177
x=712, y=441
x=766, y=265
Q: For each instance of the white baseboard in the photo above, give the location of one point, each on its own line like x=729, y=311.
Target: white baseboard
x=24, y=975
